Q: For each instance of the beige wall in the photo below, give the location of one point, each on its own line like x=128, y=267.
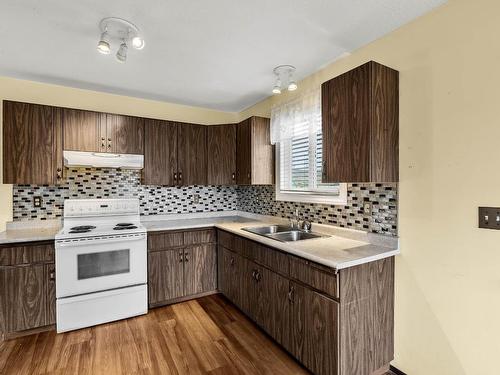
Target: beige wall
x=448, y=276
x=27, y=91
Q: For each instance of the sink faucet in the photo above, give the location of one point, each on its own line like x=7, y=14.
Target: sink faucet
x=296, y=223
x=294, y=220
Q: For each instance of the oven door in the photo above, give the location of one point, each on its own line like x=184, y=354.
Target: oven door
x=100, y=263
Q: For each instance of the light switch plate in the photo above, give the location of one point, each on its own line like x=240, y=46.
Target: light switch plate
x=489, y=217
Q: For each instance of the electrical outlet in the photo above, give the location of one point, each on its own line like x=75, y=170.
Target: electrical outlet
x=196, y=198
x=489, y=217
x=367, y=208
x=37, y=201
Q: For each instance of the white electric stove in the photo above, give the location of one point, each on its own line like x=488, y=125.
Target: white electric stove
x=101, y=263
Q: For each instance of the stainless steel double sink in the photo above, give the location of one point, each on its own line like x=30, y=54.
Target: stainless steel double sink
x=283, y=233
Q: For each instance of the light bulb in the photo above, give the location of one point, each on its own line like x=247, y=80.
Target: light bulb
x=103, y=45
x=121, y=55
x=277, y=87
x=292, y=86
x=138, y=42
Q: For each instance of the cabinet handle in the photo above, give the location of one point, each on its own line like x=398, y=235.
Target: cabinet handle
x=253, y=274
x=109, y=139
x=290, y=294
x=175, y=176
x=102, y=139
x=186, y=259
x=231, y=262
x=103, y=144
x=233, y=176
x=181, y=256
x=248, y=175
x=180, y=176
x=258, y=276
x=52, y=275
x=109, y=146
x=59, y=173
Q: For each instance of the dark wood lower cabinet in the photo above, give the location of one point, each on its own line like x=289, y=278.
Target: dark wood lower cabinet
x=314, y=312
x=181, y=264
x=27, y=288
x=165, y=274
x=200, y=269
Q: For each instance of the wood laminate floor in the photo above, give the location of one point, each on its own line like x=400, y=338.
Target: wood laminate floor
x=203, y=336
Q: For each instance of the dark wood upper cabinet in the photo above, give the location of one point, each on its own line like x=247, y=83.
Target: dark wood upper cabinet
x=361, y=126
x=255, y=154
x=102, y=132
x=160, y=153
x=32, y=151
x=221, y=150
x=191, y=154
x=125, y=134
x=84, y=130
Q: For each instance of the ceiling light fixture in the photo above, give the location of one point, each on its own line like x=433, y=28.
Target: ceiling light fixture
x=121, y=55
x=103, y=45
x=284, y=78
x=119, y=32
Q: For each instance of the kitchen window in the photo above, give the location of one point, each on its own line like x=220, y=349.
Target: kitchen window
x=296, y=132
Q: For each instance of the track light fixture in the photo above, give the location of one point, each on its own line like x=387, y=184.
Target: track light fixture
x=121, y=33
x=103, y=45
x=121, y=55
x=284, y=78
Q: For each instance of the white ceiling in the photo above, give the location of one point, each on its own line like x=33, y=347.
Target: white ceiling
x=211, y=53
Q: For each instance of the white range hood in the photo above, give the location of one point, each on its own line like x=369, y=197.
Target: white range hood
x=102, y=160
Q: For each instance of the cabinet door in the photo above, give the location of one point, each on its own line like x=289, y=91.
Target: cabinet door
x=125, y=134
x=160, y=153
x=83, y=131
x=24, y=297
x=243, y=153
x=230, y=265
x=200, y=269
x=314, y=332
x=221, y=147
x=29, y=144
x=192, y=154
x=273, y=305
x=165, y=275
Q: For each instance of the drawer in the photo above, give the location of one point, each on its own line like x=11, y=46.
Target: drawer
x=27, y=254
x=273, y=259
x=319, y=277
x=199, y=237
x=164, y=240
x=225, y=239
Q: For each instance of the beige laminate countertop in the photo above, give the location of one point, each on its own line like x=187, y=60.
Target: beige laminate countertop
x=10, y=236
x=341, y=249
x=334, y=251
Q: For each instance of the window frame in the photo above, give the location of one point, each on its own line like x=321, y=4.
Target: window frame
x=304, y=196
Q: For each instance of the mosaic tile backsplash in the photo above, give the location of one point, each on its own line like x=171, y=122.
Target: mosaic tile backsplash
x=157, y=200
x=383, y=199
x=87, y=183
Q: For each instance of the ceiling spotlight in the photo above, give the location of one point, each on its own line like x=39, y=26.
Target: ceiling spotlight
x=292, y=86
x=103, y=45
x=277, y=87
x=121, y=34
x=284, y=78
x=121, y=55
x=137, y=42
